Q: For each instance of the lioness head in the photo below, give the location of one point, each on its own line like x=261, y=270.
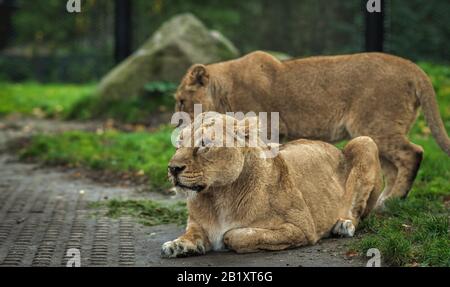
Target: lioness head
x=194, y=90
x=211, y=152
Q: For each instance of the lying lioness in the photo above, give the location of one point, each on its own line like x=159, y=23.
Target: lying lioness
x=330, y=99
x=245, y=202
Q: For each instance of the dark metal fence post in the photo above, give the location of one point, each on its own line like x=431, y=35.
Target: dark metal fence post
x=7, y=8
x=122, y=30
x=374, y=29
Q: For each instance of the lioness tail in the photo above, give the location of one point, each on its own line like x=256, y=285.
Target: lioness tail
x=427, y=97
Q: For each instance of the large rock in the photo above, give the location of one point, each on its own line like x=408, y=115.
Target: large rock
x=173, y=48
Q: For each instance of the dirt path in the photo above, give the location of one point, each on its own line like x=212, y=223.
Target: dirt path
x=45, y=212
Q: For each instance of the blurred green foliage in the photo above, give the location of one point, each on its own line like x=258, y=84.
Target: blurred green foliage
x=51, y=45
x=158, y=97
x=46, y=24
x=295, y=27
x=419, y=30
x=415, y=29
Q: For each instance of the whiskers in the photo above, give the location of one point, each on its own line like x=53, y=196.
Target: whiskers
x=191, y=194
x=188, y=193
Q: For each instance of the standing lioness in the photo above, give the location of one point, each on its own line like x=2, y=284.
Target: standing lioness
x=330, y=99
x=246, y=202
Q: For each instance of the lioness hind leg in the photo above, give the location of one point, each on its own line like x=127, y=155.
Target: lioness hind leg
x=364, y=182
x=246, y=240
x=407, y=158
x=364, y=191
x=389, y=174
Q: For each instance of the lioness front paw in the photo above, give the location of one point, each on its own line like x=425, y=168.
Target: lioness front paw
x=344, y=227
x=181, y=248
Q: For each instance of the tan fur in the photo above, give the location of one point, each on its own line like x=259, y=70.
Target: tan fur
x=328, y=98
x=250, y=203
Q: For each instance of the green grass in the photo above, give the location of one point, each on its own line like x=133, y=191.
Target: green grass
x=147, y=212
x=112, y=150
x=47, y=101
x=132, y=109
x=416, y=230
x=411, y=232
x=79, y=102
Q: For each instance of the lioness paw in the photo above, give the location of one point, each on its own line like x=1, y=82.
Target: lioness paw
x=181, y=248
x=344, y=228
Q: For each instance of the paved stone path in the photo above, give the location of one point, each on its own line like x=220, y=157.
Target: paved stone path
x=45, y=212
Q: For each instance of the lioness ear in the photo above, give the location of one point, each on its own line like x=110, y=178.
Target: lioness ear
x=198, y=76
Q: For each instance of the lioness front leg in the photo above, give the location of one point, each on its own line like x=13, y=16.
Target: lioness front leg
x=245, y=240
x=192, y=242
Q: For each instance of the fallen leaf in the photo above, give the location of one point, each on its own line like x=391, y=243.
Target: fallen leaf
x=406, y=226
x=351, y=253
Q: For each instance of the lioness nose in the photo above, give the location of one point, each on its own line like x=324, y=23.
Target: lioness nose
x=175, y=170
